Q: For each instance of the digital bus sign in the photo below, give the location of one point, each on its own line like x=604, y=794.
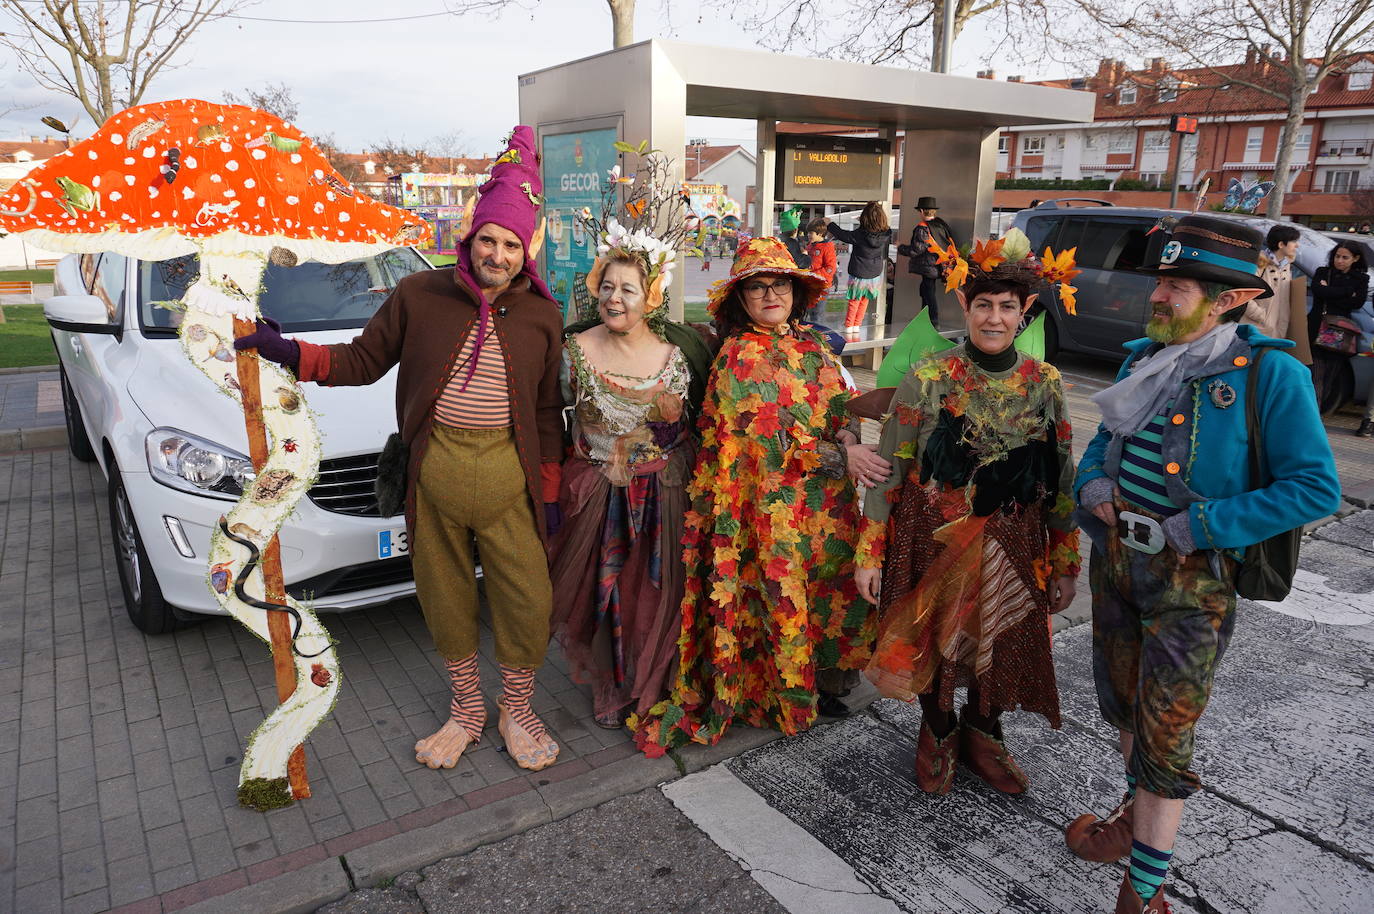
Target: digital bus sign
x=831, y=169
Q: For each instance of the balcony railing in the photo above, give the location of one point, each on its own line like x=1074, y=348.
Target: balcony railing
x=1341, y=148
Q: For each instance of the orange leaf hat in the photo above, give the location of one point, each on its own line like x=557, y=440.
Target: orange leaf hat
x=764, y=255
x=178, y=177
x=1010, y=259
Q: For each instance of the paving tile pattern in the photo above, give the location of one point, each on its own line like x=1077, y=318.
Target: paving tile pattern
x=119, y=753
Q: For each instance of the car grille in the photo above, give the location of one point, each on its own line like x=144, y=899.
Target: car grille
x=383, y=573
x=346, y=486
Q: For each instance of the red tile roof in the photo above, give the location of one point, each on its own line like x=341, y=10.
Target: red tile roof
x=41, y=149
x=697, y=159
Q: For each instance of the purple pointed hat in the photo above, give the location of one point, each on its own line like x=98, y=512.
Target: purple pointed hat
x=511, y=197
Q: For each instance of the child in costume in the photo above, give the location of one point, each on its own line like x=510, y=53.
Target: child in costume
x=972, y=536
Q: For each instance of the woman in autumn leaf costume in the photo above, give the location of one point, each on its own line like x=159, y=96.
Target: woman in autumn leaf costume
x=972, y=534
x=770, y=600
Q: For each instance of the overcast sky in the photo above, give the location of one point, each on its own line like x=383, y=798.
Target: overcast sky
x=408, y=79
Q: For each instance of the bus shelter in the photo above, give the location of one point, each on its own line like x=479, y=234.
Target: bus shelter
x=646, y=91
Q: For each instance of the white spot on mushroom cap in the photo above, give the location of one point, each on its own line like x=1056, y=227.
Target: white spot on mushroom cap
x=295, y=158
x=224, y=147
x=329, y=195
x=95, y=182
x=92, y=154
x=231, y=165
x=217, y=179
x=292, y=199
x=190, y=162
x=319, y=172
x=187, y=192
x=117, y=139
x=262, y=201
x=344, y=217
x=258, y=154
x=149, y=152
x=129, y=160
x=129, y=180
x=229, y=192
x=319, y=207
x=249, y=182
x=115, y=195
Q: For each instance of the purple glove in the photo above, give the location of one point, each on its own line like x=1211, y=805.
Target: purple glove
x=272, y=346
x=553, y=517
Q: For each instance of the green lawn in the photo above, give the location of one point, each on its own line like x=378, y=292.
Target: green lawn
x=442, y=260
x=39, y=276
x=24, y=338
x=694, y=312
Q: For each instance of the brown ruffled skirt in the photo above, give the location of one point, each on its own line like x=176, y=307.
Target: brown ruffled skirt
x=631, y=666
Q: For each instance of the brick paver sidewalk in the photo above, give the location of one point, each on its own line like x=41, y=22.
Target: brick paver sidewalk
x=119, y=753
x=30, y=399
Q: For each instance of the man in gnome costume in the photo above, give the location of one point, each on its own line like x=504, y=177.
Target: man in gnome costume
x=1165, y=495
x=478, y=407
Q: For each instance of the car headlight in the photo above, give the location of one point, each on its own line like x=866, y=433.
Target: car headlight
x=192, y=464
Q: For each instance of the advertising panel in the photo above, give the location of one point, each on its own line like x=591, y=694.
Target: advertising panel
x=575, y=167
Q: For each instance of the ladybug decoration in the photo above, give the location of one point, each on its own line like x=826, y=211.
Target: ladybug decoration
x=289, y=445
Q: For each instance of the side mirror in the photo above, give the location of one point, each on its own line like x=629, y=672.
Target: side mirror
x=79, y=314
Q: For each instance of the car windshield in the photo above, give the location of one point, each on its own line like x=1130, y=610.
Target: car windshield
x=308, y=296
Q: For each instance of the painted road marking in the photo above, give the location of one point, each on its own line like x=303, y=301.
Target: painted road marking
x=804, y=875
x=1313, y=600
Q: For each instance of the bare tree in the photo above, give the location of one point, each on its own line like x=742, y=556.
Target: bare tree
x=104, y=54
x=622, y=14
x=277, y=99
x=447, y=147
x=1289, y=47
x=396, y=157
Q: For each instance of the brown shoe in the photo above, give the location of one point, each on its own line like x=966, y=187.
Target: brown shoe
x=1103, y=840
x=935, y=759
x=986, y=756
x=1128, y=902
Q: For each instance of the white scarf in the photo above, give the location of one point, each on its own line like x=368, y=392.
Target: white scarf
x=1129, y=404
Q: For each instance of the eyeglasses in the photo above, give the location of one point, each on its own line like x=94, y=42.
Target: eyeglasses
x=782, y=288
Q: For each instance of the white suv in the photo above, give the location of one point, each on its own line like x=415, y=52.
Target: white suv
x=173, y=447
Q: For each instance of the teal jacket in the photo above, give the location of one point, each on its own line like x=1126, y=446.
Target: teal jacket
x=1206, y=446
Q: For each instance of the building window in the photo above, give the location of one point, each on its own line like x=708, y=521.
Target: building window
x=1127, y=95
x=1003, y=143
x=1254, y=144
x=1157, y=140
x=1121, y=142
x=1152, y=178
x=1168, y=93
x=1359, y=79
x=1033, y=145
x=1059, y=141
x=1304, y=140
x=1092, y=141
x=1340, y=182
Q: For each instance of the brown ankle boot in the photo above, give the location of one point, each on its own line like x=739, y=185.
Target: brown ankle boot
x=986, y=756
x=1128, y=902
x=935, y=759
x=1103, y=840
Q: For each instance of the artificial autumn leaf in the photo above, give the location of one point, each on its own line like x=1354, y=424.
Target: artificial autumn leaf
x=941, y=256
x=957, y=274
x=1059, y=267
x=987, y=254
x=1066, y=298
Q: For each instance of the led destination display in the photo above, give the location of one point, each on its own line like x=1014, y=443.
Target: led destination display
x=830, y=169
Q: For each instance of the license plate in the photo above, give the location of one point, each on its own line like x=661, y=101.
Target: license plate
x=392, y=543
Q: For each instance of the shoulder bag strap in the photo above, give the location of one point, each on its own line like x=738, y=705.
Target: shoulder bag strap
x=1252, y=420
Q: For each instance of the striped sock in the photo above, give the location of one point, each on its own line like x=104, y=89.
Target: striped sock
x=1148, y=869
x=517, y=686
x=467, y=706
x=1130, y=783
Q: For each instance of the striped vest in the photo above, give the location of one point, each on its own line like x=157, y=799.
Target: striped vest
x=486, y=401
x=1142, y=469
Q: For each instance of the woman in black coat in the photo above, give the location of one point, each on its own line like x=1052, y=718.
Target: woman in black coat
x=867, y=263
x=1339, y=290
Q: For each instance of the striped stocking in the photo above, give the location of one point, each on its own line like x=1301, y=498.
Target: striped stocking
x=467, y=707
x=517, y=685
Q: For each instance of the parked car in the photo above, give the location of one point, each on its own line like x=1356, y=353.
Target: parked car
x=1112, y=299
x=173, y=448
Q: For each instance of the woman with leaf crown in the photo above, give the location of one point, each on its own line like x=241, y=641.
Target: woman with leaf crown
x=635, y=381
x=971, y=537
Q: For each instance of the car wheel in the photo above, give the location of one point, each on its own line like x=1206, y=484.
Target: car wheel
x=150, y=613
x=1338, y=386
x=78, y=442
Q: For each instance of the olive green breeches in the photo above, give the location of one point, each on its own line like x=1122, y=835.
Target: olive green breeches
x=471, y=488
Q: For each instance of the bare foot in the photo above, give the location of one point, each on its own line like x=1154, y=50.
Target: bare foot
x=445, y=747
x=531, y=753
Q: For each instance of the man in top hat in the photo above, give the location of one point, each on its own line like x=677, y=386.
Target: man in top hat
x=478, y=406
x=1164, y=493
x=920, y=259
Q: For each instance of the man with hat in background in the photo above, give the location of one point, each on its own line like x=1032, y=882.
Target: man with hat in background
x=920, y=259
x=1164, y=493
x=478, y=405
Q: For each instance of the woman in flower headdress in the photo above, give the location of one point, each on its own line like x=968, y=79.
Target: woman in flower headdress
x=971, y=537
x=635, y=381
x=771, y=625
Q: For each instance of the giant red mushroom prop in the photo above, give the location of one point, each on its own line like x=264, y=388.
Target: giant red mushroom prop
x=235, y=186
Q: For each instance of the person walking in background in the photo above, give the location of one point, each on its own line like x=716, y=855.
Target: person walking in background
x=1270, y=315
x=867, y=260
x=1338, y=291
x=920, y=259
x=789, y=228
x=821, y=251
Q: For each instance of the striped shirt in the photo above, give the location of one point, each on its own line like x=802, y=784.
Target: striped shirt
x=486, y=401
x=1142, y=469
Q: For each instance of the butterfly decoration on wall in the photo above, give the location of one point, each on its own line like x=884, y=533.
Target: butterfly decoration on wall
x=1242, y=199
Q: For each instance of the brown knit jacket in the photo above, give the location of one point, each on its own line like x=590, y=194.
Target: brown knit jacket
x=421, y=327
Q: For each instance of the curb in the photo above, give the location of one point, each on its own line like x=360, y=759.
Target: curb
x=29, y=439
x=28, y=369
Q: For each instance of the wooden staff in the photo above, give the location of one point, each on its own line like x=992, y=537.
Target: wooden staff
x=274, y=587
